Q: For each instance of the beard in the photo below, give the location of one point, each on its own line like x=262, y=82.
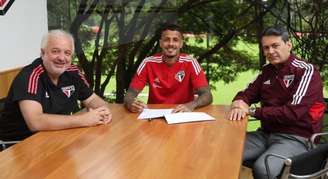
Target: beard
x=170, y=56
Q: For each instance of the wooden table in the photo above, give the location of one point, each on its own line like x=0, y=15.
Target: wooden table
x=132, y=148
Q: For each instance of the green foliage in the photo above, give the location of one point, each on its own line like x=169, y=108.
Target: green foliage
x=113, y=37
x=230, y=61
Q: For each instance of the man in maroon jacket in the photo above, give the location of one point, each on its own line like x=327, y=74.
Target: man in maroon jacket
x=291, y=97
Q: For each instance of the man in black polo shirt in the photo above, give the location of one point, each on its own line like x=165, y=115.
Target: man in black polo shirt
x=44, y=94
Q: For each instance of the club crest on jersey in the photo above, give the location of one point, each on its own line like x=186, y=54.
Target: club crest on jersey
x=180, y=76
x=68, y=90
x=288, y=80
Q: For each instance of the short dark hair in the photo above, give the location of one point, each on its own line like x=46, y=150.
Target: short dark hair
x=276, y=31
x=172, y=27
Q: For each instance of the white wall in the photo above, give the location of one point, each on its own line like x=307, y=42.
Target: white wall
x=21, y=30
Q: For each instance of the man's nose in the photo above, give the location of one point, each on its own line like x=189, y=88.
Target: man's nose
x=61, y=56
x=171, y=42
x=270, y=50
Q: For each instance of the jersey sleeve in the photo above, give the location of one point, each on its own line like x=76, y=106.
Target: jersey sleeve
x=84, y=90
x=252, y=92
x=26, y=86
x=307, y=98
x=140, y=79
x=198, y=77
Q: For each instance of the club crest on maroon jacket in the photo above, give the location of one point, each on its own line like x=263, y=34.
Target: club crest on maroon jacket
x=288, y=80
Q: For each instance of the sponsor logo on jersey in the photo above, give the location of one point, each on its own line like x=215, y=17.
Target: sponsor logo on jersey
x=68, y=90
x=288, y=80
x=267, y=82
x=180, y=76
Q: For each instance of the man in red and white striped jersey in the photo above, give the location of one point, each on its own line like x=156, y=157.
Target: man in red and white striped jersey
x=173, y=77
x=44, y=95
x=290, y=91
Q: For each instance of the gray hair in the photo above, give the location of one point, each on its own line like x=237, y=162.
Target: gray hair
x=276, y=31
x=56, y=33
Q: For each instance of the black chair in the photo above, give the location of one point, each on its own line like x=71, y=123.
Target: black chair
x=311, y=164
x=2, y=104
x=5, y=144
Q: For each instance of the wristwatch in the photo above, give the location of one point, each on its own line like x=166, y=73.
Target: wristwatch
x=252, y=111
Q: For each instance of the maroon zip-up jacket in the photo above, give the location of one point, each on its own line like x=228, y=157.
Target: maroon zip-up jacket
x=291, y=98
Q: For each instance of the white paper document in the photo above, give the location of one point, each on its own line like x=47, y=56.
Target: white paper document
x=174, y=118
x=154, y=113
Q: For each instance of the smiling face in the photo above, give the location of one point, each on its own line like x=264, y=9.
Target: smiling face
x=171, y=43
x=275, y=49
x=57, y=55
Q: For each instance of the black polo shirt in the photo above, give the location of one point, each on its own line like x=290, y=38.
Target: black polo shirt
x=33, y=83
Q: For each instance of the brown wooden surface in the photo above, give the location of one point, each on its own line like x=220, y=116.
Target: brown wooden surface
x=132, y=148
x=6, y=77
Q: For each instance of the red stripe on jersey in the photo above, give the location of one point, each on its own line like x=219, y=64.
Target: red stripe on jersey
x=74, y=68
x=34, y=79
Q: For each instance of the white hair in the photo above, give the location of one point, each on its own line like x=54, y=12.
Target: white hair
x=56, y=33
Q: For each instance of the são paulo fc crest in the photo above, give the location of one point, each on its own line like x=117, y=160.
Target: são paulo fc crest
x=180, y=75
x=68, y=90
x=288, y=80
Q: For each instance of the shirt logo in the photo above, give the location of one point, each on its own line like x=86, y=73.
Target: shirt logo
x=47, y=95
x=156, y=83
x=267, y=82
x=180, y=76
x=288, y=80
x=68, y=90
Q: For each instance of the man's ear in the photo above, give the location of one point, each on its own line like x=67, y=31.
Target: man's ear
x=289, y=44
x=42, y=52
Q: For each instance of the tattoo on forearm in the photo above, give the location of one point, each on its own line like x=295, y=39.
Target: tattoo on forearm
x=204, y=97
x=130, y=95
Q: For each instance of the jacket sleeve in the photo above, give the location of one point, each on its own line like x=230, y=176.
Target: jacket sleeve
x=252, y=92
x=307, y=95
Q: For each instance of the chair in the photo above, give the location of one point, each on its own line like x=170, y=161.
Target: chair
x=2, y=104
x=312, y=164
x=5, y=144
x=318, y=138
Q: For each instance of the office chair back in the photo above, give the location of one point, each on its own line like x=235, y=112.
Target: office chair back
x=4, y=144
x=312, y=164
